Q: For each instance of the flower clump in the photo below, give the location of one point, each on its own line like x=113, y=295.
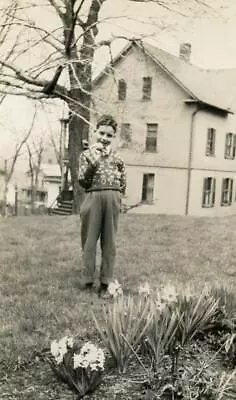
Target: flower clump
x=59, y=348
x=81, y=370
x=145, y=290
x=90, y=356
x=169, y=294
x=115, y=289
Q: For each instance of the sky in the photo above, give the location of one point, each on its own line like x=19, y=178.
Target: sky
x=210, y=30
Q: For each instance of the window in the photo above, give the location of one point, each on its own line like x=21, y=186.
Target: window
x=227, y=192
x=230, y=146
x=125, y=134
x=151, y=138
x=147, y=88
x=122, y=89
x=42, y=196
x=211, y=139
x=209, y=187
x=148, y=188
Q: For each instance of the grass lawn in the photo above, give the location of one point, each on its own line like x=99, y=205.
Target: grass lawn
x=40, y=278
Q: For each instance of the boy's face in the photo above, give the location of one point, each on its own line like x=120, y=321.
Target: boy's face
x=105, y=135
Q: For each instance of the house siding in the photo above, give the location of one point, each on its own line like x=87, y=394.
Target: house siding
x=173, y=116
x=166, y=108
x=170, y=163
x=169, y=190
x=196, y=208
x=211, y=166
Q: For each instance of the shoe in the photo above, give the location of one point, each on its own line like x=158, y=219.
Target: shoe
x=103, y=291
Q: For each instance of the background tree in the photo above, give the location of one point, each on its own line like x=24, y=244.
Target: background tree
x=10, y=163
x=69, y=43
x=35, y=154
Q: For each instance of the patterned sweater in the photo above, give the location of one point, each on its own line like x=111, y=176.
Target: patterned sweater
x=107, y=173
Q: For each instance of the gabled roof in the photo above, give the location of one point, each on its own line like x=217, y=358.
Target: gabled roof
x=216, y=88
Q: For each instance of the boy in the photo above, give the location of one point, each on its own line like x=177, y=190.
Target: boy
x=102, y=174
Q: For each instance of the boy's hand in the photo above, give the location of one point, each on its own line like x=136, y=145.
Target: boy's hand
x=96, y=152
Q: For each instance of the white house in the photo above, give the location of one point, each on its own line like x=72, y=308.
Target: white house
x=52, y=182
x=49, y=182
x=177, y=130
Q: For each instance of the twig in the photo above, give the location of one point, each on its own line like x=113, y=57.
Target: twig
x=136, y=355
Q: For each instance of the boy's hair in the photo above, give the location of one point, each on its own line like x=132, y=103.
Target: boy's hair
x=108, y=120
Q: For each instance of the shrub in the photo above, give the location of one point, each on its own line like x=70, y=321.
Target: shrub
x=195, y=315
x=125, y=323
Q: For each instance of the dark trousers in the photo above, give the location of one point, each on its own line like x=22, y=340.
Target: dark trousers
x=99, y=214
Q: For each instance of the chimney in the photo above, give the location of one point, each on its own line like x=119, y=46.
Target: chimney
x=185, y=51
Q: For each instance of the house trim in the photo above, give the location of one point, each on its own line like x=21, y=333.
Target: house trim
x=190, y=156
x=209, y=107
x=214, y=170
x=193, y=98
x=154, y=166
x=181, y=168
x=126, y=49
x=191, y=94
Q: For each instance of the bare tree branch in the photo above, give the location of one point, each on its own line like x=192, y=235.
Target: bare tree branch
x=59, y=90
x=74, y=43
x=56, y=150
x=37, y=29
x=49, y=88
x=19, y=147
x=57, y=8
x=8, y=18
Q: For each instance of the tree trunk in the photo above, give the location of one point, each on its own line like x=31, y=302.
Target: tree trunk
x=80, y=76
x=78, y=131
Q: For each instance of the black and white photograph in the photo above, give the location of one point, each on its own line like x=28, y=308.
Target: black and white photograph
x=117, y=199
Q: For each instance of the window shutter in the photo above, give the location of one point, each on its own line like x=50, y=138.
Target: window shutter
x=234, y=146
x=231, y=191
x=229, y=145
x=147, y=88
x=222, y=191
x=226, y=145
x=125, y=133
x=148, y=187
x=122, y=88
x=204, y=191
x=213, y=190
x=210, y=144
x=144, y=191
x=151, y=138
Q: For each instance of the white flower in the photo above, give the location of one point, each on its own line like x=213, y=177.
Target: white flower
x=160, y=303
x=80, y=361
x=90, y=356
x=70, y=342
x=169, y=293
x=88, y=348
x=115, y=289
x=57, y=352
x=54, y=348
x=59, y=348
x=145, y=289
